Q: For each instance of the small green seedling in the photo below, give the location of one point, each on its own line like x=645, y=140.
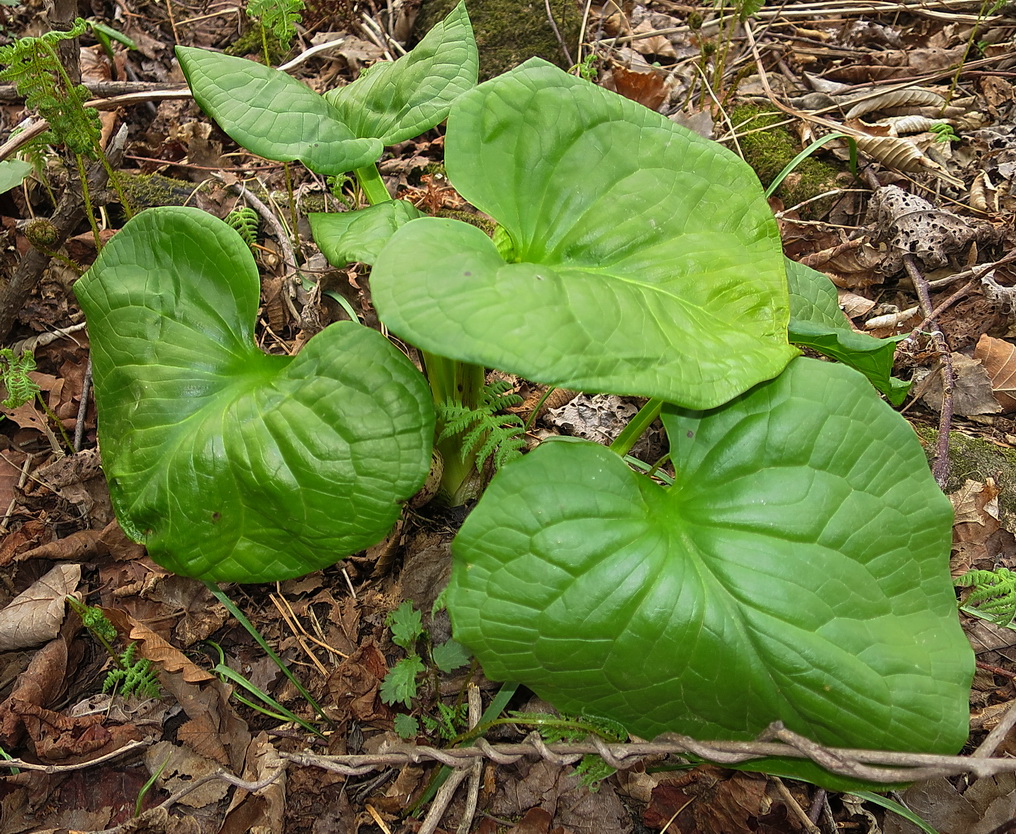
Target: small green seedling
x=401, y=684
x=130, y=674
x=796, y=569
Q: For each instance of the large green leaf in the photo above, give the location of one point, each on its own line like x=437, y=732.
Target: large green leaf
x=816, y=321
x=229, y=464
x=796, y=571
x=348, y=236
x=646, y=258
x=272, y=114
x=400, y=100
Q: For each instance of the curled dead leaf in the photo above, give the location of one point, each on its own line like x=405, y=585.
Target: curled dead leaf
x=35, y=615
x=999, y=360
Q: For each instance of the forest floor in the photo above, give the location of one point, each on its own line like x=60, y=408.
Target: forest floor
x=197, y=759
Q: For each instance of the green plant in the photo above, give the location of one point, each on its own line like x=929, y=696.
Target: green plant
x=401, y=683
x=275, y=19
x=14, y=372
x=33, y=66
x=245, y=222
x=992, y=595
x=795, y=570
x=945, y=132
x=129, y=674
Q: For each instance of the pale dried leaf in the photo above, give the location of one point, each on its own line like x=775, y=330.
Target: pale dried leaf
x=35, y=616
x=972, y=392
x=911, y=96
x=999, y=359
x=894, y=152
x=182, y=767
x=154, y=648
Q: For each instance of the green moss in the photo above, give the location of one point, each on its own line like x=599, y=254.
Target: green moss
x=770, y=150
x=508, y=32
x=150, y=190
x=972, y=458
x=250, y=43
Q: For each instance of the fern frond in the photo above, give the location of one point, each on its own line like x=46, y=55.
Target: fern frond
x=133, y=675
x=485, y=432
x=993, y=594
x=278, y=18
x=14, y=372
x=245, y=222
x=32, y=65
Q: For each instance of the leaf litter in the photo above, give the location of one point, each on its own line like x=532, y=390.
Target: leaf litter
x=951, y=214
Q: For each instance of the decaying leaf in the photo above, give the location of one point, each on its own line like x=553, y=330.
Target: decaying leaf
x=910, y=96
x=972, y=392
x=649, y=89
x=983, y=807
x=34, y=616
x=895, y=152
x=999, y=359
x=977, y=519
x=154, y=648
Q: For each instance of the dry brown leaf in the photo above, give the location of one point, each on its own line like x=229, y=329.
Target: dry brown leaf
x=911, y=96
x=977, y=518
x=972, y=392
x=647, y=88
x=182, y=767
x=983, y=807
x=265, y=810
x=214, y=729
x=894, y=152
x=999, y=359
x=34, y=616
x=155, y=648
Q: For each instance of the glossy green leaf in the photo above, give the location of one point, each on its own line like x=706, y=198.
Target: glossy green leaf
x=229, y=464
x=796, y=571
x=348, y=236
x=816, y=321
x=648, y=261
x=13, y=173
x=272, y=114
x=397, y=101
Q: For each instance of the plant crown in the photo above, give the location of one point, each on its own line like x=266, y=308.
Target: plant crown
x=795, y=571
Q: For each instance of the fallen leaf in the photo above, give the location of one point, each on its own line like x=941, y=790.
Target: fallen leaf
x=647, y=88
x=155, y=648
x=182, y=767
x=972, y=392
x=34, y=616
x=999, y=359
x=985, y=805
x=265, y=810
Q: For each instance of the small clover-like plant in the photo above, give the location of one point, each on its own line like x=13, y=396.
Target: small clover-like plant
x=796, y=569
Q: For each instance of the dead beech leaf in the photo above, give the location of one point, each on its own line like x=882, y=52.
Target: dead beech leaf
x=154, y=648
x=647, y=88
x=999, y=359
x=977, y=519
x=34, y=616
x=265, y=810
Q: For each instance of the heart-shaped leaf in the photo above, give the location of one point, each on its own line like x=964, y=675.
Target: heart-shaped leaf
x=816, y=321
x=272, y=114
x=400, y=100
x=229, y=464
x=648, y=259
x=796, y=571
x=348, y=236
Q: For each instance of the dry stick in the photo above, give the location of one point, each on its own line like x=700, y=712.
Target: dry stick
x=795, y=807
x=79, y=425
x=557, y=34
x=881, y=766
x=476, y=774
x=69, y=212
x=443, y=797
x=940, y=468
x=997, y=735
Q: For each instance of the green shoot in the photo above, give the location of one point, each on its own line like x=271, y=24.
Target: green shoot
x=945, y=132
x=486, y=433
x=992, y=596
x=803, y=155
x=14, y=372
x=245, y=222
x=268, y=706
x=145, y=788
x=132, y=675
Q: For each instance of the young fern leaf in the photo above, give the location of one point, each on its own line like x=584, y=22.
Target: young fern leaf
x=133, y=675
x=245, y=222
x=32, y=65
x=14, y=372
x=485, y=432
x=278, y=18
x=993, y=594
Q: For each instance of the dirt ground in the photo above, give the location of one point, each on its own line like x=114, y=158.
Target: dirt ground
x=931, y=88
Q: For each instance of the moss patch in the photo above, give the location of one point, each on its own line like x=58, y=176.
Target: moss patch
x=972, y=458
x=770, y=150
x=509, y=32
x=150, y=190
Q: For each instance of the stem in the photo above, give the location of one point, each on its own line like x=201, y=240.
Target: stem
x=637, y=427
x=455, y=383
x=373, y=186
x=87, y=197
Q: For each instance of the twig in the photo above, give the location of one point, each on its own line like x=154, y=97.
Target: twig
x=476, y=774
x=130, y=747
x=795, y=807
x=557, y=33
x=881, y=766
x=86, y=386
x=940, y=467
x=997, y=735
